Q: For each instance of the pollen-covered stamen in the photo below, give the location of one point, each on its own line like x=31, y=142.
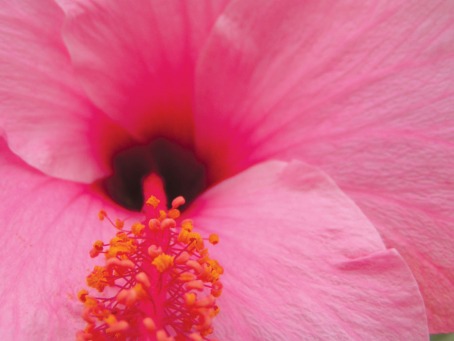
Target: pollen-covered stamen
x=158, y=281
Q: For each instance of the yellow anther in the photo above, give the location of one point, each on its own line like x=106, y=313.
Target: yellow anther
x=111, y=320
x=90, y=302
x=186, y=277
x=102, y=214
x=190, y=298
x=185, y=271
x=153, y=201
x=98, y=245
x=173, y=213
x=211, y=271
x=193, y=239
x=98, y=278
x=187, y=225
x=82, y=295
x=137, y=228
x=163, y=262
x=216, y=289
x=121, y=244
x=198, y=243
x=119, y=224
x=214, y=238
x=183, y=236
x=162, y=215
x=215, y=264
x=94, y=253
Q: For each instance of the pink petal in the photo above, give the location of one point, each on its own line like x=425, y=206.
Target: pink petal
x=48, y=227
x=303, y=263
x=136, y=60
x=70, y=5
x=363, y=91
x=49, y=224
x=45, y=115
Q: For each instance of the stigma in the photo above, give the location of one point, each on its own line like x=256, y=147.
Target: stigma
x=157, y=281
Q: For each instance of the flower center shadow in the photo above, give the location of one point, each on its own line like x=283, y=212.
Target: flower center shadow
x=178, y=168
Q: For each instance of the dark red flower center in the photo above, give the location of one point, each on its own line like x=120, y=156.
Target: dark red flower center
x=181, y=172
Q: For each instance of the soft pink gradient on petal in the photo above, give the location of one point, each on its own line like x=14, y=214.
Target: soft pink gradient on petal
x=363, y=90
x=71, y=5
x=48, y=227
x=302, y=262
x=44, y=114
x=136, y=60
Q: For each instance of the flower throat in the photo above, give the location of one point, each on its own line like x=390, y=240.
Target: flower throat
x=157, y=282
x=179, y=169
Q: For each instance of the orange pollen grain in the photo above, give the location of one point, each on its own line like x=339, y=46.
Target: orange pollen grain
x=213, y=238
x=156, y=283
x=174, y=213
x=82, y=295
x=153, y=201
x=137, y=228
x=102, y=214
x=163, y=262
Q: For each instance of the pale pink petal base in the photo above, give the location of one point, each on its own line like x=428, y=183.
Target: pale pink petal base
x=364, y=91
x=47, y=229
x=303, y=263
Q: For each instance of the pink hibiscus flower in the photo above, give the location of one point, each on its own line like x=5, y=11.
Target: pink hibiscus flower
x=362, y=92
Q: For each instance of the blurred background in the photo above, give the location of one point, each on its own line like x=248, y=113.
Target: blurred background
x=442, y=337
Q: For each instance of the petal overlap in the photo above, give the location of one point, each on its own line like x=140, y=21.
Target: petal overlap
x=45, y=115
x=364, y=91
x=302, y=262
